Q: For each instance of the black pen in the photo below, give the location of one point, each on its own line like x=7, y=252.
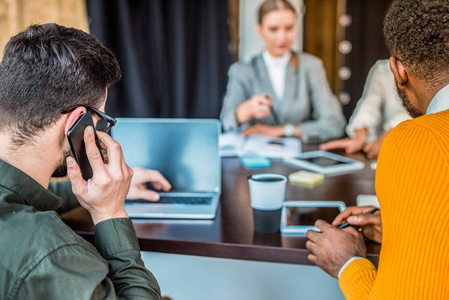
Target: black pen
x=273, y=113
x=346, y=224
x=275, y=116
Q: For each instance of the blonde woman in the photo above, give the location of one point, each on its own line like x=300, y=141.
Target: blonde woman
x=280, y=92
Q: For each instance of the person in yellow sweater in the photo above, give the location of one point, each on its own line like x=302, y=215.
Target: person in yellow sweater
x=412, y=180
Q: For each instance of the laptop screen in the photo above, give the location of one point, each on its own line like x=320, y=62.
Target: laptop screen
x=185, y=151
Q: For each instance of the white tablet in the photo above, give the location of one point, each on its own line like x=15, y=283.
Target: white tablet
x=298, y=217
x=325, y=162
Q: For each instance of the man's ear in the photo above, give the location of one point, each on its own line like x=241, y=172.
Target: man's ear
x=73, y=117
x=400, y=72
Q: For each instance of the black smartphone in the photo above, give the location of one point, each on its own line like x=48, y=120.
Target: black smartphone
x=75, y=135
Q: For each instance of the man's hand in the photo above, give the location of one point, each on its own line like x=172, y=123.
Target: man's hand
x=274, y=131
x=258, y=106
x=139, y=190
x=371, y=224
x=104, y=194
x=331, y=248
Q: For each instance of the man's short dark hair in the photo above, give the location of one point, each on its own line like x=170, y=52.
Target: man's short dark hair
x=47, y=68
x=417, y=34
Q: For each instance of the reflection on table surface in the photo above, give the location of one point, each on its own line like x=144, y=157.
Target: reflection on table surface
x=231, y=234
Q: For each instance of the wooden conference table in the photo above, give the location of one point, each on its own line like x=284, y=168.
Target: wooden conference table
x=230, y=234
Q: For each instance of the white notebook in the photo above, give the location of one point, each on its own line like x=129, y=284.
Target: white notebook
x=235, y=144
x=367, y=200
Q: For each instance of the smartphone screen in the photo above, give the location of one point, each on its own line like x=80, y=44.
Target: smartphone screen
x=75, y=136
x=308, y=215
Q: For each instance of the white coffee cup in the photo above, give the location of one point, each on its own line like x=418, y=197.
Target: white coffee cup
x=267, y=194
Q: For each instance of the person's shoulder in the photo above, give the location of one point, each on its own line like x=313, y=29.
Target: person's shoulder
x=308, y=63
x=381, y=66
x=308, y=59
x=435, y=126
x=30, y=236
x=421, y=138
x=242, y=66
x=437, y=122
x=382, y=63
x=41, y=230
x=244, y=69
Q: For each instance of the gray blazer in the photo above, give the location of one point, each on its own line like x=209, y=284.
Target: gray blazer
x=308, y=100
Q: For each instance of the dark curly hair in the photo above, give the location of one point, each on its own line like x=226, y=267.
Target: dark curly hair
x=47, y=68
x=417, y=34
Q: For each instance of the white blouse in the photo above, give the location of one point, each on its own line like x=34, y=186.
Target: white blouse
x=277, y=69
x=380, y=108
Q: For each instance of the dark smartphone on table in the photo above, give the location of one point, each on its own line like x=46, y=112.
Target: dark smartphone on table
x=75, y=135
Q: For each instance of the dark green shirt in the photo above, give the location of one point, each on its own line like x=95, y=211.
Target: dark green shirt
x=42, y=258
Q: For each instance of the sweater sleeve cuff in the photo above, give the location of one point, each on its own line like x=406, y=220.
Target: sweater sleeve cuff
x=114, y=236
x=353, y=126
x=347, y=263
x=359, y=274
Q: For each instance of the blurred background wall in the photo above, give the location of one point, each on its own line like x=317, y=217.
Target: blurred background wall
x=175, y=53
x=17, y=15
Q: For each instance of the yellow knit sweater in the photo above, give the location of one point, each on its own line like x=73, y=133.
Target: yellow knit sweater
x=412, y=184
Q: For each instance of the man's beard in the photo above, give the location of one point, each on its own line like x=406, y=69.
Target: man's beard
x=61, y=169
x=413, y=112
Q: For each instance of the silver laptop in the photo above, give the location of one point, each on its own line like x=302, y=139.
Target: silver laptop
x=186, y=153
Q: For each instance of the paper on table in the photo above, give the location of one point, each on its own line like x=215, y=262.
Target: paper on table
x=230, y=143
x=367, y=200
x=235, y=144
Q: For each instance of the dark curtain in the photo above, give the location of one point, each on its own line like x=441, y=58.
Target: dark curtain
x=367, y=38
x=173, y=55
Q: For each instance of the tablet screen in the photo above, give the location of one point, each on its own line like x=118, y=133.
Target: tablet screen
x=323, y=161
x=306, y=216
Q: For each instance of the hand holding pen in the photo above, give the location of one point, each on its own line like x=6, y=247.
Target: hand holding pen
x=257, y=107
x=367, y=218
x=261, y=106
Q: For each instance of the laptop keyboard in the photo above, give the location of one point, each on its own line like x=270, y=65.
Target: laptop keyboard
x=185, y=200
x=177, y=200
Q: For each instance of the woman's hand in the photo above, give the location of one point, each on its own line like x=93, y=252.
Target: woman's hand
x=350, y=145
x=257, y=107
x=372, y=149
x=274, y=131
